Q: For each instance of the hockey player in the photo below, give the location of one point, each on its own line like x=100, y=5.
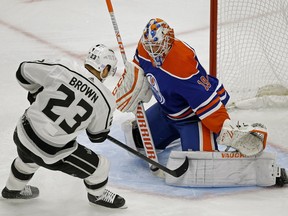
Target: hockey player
x=66, y=99
x=190, y=103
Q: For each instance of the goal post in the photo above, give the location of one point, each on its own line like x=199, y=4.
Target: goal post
x=213, y=37
x=249, y=49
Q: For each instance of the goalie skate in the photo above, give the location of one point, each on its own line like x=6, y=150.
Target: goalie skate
x=29, y=192
x=108, y=199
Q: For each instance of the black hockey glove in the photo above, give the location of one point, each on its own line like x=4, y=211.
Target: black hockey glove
x=32, y=96
x=98, y=138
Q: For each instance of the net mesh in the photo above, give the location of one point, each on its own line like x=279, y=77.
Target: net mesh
x=252, y=46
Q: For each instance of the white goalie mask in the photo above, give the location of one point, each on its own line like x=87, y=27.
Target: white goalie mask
x=157, y=39
x=99, y=57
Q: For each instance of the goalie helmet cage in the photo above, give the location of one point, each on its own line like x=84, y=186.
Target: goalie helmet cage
x=249, y=49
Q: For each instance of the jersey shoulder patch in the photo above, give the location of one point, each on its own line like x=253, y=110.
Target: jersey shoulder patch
x=181, y=61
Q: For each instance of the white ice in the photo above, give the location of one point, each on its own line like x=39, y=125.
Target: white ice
x=36, y=29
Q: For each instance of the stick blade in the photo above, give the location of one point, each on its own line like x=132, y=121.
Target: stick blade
x=182, y=169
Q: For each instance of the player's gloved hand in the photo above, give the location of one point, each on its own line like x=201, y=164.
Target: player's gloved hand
x=132, y=88
x=248, y=139
x=98, y=137
x=32, y=95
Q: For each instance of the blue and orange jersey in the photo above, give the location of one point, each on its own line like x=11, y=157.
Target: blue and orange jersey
x=183, y=88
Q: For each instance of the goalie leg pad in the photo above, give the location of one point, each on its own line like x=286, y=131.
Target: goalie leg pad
x=127, y=128
x=133, y=138
x=223, y=169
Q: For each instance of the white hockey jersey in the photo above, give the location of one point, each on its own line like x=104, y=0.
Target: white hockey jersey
x=72, y=100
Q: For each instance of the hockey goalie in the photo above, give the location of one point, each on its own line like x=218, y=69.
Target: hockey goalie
x=190, y=106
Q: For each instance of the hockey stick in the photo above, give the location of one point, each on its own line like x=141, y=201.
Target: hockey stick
x=176, y=173
x=140, y=114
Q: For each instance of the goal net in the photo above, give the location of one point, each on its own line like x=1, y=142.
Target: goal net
x=249, y=50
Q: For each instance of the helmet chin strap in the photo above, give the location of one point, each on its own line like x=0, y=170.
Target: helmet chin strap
x=101, y=76
x=96, y=73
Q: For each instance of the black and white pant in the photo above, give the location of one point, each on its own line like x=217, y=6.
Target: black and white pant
x=82, y=163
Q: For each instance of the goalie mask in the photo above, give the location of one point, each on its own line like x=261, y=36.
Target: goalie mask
x=157, y=40
x=99, y=57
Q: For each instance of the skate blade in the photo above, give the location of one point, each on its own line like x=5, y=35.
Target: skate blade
x=104, y=207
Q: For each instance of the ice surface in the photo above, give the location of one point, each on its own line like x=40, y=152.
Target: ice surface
x=36, y=29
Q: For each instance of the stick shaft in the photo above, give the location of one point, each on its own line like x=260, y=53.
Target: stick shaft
x=140, y=115
x=116, y=30
x=176, y=173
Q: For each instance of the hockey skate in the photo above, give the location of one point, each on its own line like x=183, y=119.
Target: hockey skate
x=108, y=199
x=29, y=192
x=282, y=179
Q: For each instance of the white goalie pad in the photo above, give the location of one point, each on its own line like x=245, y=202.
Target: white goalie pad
x=126, y=127
x=223, y=169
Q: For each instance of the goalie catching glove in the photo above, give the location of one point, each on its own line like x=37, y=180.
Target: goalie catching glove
x=249, y=140
x=132, y=88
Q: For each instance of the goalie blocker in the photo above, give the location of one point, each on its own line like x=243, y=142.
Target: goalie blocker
x=131, y=89
x=226, y=169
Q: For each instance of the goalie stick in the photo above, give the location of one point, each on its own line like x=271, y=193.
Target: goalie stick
x=140, y=113
x=176, y=173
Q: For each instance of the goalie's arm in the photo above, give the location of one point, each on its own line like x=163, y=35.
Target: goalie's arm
x=215, y=120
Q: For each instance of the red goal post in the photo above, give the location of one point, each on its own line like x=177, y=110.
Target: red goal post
x=249, y=49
